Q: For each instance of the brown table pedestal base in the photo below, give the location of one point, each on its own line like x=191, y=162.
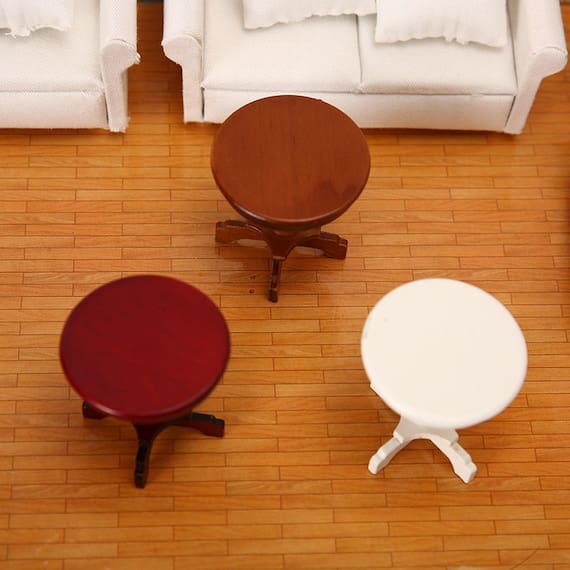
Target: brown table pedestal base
x=281, y=243
x=147, y=433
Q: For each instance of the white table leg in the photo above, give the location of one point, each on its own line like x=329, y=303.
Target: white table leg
x=404, y=433
x=444, y=439
x=383, y=456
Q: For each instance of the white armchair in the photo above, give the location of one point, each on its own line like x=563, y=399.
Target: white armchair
x=75, y=78
x=432, y=84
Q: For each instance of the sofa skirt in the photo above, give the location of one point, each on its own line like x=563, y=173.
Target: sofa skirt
x=456, y=112
x=62, y=110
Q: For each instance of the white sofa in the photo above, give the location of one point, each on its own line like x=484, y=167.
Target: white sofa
x=71, y=79
x=430, y=83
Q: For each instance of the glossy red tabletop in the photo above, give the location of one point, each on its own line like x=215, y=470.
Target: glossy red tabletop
x=145, y=348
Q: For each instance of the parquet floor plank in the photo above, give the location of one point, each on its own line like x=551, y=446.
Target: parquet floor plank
x=287, y=488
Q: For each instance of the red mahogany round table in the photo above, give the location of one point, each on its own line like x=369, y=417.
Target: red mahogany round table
x=146, y=349
x=289, y=164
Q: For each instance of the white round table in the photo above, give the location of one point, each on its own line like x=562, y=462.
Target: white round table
x=444, y=355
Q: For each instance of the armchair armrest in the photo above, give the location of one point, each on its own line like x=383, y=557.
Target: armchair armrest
x=118, y=51
x=539, y=48
x=182, y=43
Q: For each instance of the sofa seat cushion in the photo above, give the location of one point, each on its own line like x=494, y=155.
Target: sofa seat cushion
x=53, y=60
x=433, y=66
x=317, y=54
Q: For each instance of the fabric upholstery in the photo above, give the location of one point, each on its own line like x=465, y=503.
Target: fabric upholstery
x=317, y=53
x=395, y=90
x=49, y=60
x=182, y=41
x=433, y=66
x=75, y=78
x=50, y=109
x=263, y=13
x=465, y=21
x=539, y=48
x=21, y=17
x=376, y=110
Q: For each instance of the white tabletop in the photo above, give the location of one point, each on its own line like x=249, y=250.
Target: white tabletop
x=443, y=353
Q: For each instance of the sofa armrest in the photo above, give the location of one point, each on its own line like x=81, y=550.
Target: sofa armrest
x=182, y=43
x=539, y=48
x=118, y=51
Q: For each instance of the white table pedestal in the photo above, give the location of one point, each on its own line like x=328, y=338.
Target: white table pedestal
x=444, y=355
x=444, y=439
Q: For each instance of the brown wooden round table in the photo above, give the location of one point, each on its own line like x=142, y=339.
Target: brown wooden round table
x=289, y=165
x=146, y=349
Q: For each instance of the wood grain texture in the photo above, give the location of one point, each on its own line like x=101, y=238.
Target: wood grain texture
x=287, y=488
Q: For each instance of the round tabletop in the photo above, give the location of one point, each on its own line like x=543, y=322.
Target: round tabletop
x=290, y=162
x=443, y=353
x=145, y=348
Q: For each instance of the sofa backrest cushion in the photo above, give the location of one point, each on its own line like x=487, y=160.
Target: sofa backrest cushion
x=264, y=13
x=463, y=21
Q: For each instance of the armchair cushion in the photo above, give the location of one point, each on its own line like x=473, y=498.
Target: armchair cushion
x=465, y=21
x=21, y=17
x=52, y=61
x=71, y=79
x=263, y=13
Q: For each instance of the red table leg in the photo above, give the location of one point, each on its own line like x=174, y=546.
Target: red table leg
x=147, y=433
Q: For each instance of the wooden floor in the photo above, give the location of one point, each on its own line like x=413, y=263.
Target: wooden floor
x=288, y=485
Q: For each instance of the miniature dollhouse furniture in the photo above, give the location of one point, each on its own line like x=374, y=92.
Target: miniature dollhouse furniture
x=146, y=349
x=444, y=355
x=288, y=165
x=71, y=78
x=419, y=83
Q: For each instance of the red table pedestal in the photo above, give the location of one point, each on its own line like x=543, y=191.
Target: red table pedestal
x=146, y=349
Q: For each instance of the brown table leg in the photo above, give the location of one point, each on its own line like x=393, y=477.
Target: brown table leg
x=281, y=243
x=277, y=263
x=234, y=230
x=332, y=245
